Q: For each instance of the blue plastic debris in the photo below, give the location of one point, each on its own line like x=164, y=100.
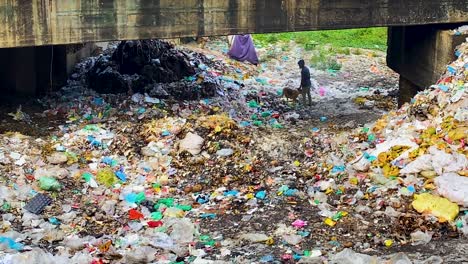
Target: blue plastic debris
x=267, y=258
x=11, y=243
x=131, y=198
x=98, y=101
x=231, y=193
x=323, y=118
x=244, y=124
x=290, y=192
x=369, y=157
x=201, y=199
x=54, y=221
x=121, y=175
x=208, y=216
x=94, y=142
x=451, y=69
x=338, y=168
x=107, y=160
x=444, y=88
x=260, y=195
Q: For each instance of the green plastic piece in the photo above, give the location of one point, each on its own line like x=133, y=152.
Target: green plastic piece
x=337, y=216
x=184, y=207
x=169, y=202
x=140, y=197
x=49, y=184
x=257, y=123
x=277, y=125
x=156, y=216
x=253, y=104
x=210, y=243
x=204, y=238
x=6, y=207
x=93, y=128
x=87, y=176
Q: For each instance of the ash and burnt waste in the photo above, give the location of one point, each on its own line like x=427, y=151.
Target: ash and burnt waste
x=155, y=67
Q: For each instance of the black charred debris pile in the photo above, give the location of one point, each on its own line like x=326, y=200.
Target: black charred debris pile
x=152, y=66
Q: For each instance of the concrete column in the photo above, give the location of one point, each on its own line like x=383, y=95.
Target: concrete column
x=407, y=90
x=420, y=55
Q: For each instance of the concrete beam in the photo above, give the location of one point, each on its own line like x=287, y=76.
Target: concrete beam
x=420, y=55
x=34, y=23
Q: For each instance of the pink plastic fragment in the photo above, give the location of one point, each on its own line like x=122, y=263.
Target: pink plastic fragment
x=299, y=223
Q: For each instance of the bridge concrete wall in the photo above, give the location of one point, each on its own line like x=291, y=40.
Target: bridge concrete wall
x=35, y=23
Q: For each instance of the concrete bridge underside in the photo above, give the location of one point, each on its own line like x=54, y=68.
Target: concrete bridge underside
x=418, y=29
x=40, y=22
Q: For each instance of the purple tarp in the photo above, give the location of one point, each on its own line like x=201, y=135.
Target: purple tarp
x=243, y=49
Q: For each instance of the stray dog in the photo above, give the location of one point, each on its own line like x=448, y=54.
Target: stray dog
x=292, y=94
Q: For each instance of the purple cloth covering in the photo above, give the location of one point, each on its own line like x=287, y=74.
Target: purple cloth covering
x=243, y=49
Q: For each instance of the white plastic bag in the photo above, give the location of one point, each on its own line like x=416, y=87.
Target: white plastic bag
x=453, y=187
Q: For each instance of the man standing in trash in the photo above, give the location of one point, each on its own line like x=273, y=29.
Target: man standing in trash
x=305, y=82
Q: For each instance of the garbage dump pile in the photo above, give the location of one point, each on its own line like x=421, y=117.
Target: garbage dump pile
x=143, y=65
x=144, y=179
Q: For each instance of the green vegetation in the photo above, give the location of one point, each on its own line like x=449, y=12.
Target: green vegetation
x=324, y=46
x=366, y=38
x=324, y=58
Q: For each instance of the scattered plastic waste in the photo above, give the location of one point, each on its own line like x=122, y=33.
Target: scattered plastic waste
x=208, y=164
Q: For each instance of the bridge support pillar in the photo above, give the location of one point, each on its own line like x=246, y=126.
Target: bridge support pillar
x=420, y=55
x=34, y=71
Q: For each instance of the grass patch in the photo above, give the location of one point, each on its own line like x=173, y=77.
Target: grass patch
x=324, y=58
x=364, y=38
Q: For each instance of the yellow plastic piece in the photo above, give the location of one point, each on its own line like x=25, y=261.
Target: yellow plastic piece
x=270, y=241
x=437, y=206
x=330, y=222
x=388, y=243
x=106, y=176
x=458, y=133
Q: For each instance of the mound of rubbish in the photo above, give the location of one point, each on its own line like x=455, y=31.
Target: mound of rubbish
x=143, y=65
x=141, y=179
